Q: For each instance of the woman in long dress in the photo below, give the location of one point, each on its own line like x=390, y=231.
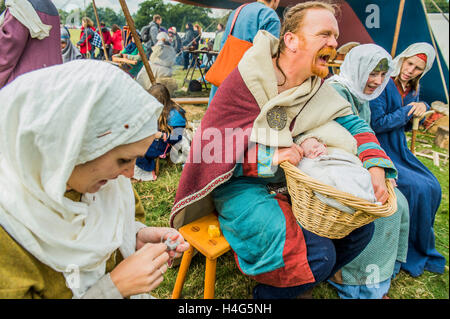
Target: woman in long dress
x=362, y=78
x=392, y=113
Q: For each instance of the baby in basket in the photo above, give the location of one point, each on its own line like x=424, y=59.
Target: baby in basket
x=330, y=157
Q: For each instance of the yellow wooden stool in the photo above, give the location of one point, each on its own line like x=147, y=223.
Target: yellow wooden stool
x=196, y=233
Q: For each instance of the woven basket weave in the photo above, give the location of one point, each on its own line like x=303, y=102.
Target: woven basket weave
x=327, y=221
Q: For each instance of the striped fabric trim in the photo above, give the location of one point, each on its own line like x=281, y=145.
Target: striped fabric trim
x=390, y=170
x=265, y=156
x=355, y=125
x=367, y=146
x=367, y=137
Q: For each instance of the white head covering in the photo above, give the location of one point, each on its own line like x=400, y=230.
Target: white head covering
x=24, y=12
x=359, y=62
x=52, y=120
x=162, y=36
x=413, y=49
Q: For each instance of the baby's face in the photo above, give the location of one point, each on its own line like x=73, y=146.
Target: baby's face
x=312, y=148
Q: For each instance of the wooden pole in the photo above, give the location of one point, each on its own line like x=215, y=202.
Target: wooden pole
x=100, y=29
x=138, y=42
x=439, y=9
x=397, y=27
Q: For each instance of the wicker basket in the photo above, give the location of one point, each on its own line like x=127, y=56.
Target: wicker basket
x=327, y=221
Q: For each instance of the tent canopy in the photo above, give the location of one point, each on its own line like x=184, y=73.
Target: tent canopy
x=374, y=21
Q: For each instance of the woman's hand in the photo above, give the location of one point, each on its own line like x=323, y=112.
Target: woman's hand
x=158, y=135
x=393, y=182
x=418, y=109
x=379, y=183
x=292, y=154
x=155, y=234
x=141, y=272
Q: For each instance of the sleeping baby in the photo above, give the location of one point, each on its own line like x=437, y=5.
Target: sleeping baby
x=335, y=166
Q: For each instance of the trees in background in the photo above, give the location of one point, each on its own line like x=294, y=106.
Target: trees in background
x=176, y=15
x=442, y=4
x=107, y=15
x=172, y=15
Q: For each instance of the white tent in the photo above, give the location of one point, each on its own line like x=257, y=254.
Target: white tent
x=440, y=27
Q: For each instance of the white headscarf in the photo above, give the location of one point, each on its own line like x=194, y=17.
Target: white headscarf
x=162, y=37
x=24, y=12
x=52, y=120
x=354, y=72
x=413, y=49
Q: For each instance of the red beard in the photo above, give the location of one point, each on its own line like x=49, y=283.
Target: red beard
x=326, y=54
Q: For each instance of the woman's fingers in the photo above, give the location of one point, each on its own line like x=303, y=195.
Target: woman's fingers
x=381, y=193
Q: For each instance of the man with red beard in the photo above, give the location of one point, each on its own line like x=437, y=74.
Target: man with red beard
x=275, y=94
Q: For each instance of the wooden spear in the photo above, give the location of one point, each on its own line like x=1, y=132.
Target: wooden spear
x=100, y=29
x=397, y=27
x=138, y=42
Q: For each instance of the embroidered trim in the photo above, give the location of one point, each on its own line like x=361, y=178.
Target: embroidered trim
x=200, y=194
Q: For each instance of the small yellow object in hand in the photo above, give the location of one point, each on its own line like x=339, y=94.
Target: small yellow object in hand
x=213, y=231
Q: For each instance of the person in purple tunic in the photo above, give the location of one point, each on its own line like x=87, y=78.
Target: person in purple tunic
x=29, y=37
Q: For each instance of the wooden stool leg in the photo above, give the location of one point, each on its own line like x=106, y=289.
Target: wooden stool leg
x=210, y=278
x=157, y=166
x=184, y=266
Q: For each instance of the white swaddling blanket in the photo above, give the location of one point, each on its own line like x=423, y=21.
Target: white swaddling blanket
x=344, y=172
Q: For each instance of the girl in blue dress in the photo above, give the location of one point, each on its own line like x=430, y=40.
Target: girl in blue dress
x=171, y=124
x=391, y=115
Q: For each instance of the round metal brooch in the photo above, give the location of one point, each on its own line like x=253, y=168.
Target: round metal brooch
x=277, y=118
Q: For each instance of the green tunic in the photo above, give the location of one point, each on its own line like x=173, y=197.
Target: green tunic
x=22, y=276
x=389, y=243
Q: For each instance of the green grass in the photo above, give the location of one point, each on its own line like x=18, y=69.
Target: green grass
x=158, y=196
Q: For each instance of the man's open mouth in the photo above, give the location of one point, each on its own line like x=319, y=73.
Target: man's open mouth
x=326, y=55
x=324, y=58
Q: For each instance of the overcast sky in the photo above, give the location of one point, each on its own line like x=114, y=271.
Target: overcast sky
x=133, y=5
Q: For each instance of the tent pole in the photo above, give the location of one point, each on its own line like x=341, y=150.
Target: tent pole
x=138, y=42
x=439, y=9
x=397, y=27
x=435, y=49
x=100, y=28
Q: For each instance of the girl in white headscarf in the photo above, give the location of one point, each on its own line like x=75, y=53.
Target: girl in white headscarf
x=391, y=115
x=363, y=76
x=67, y=206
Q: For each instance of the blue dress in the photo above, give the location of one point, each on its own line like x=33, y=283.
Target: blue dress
x=389, y=120
x=159, y=146
x=252, y=18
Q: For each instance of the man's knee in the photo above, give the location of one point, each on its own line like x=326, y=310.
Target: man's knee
x=321, y=255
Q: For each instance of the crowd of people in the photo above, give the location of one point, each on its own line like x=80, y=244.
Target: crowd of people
x=71, y=223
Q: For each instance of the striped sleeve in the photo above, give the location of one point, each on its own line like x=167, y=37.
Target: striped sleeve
x=258, y=161
x=369, y=150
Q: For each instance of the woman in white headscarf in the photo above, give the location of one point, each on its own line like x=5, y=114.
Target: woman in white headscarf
x=391, y=115
x=67, y=206
x=363, y=76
